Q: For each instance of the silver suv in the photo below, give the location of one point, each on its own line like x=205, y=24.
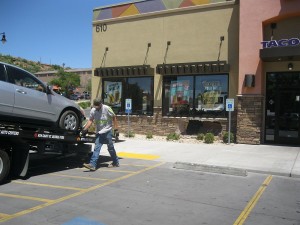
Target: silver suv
x=26, y=100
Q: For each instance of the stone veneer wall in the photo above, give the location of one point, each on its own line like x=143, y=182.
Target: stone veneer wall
x=156, y=124
x=162, y=126
x=249, y=119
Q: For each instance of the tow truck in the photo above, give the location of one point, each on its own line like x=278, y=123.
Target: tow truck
x=16, y=144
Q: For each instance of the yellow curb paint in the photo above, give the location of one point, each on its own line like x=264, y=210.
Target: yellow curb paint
x=25, y=197
x=137, y=156
x=83, y=191
x=245, y=213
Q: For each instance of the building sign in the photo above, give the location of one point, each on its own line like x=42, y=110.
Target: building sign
x=281, y=43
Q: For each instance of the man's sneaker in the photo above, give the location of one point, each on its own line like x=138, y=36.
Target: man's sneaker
x=89, y=166
x=113, y=165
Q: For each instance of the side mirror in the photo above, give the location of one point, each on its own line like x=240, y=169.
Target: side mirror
x=48, y=90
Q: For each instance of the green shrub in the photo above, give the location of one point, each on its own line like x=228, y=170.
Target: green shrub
x=129, y=134
x=209, y=138
x=200, y=137
x=85, y=104
x=173, y=136
x=149, y=135
x=225, y=137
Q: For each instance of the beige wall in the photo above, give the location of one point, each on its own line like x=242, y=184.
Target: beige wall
x=194, y=34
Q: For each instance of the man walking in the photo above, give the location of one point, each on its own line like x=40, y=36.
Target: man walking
x=104, y=118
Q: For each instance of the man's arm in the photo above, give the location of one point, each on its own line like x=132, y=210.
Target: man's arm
x=87, y=125
x=115, y=122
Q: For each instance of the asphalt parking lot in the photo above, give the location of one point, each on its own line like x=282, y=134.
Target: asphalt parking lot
x=143, y=191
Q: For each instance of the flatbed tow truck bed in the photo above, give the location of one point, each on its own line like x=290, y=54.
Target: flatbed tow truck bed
x=16, y=144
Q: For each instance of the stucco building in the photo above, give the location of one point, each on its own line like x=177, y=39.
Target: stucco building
x=85, y=76
x=179, y=60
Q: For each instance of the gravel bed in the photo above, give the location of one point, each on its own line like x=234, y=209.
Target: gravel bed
x=191, y=139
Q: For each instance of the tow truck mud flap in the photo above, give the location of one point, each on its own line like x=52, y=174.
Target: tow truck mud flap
x=4, y=165
x=20, y=160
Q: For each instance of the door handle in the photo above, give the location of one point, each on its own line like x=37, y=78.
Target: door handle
x=21, y=91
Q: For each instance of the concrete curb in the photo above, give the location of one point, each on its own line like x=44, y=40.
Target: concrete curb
x=210, y=168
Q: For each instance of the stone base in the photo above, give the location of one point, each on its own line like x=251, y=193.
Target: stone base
x=249, y=119
x=162, y=126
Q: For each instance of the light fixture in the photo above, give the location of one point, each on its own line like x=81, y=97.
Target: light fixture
x=167, y=49
x=273, y=26
x=147, y=52
x=249, y=80
x=222, y=38
x=3, y=38
x=290, y=66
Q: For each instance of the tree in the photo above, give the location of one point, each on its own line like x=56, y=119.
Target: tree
x=89, y=86
x=67, y=81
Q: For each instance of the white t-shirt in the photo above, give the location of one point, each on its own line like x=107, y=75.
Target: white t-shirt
x=102, y=118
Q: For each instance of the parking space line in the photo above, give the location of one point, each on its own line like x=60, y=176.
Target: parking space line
x=245, y=213
x=25, y=197
x=110, y=170
x=134, y=165
x=79, y=177
x=81, y=192
x=3, y=215
x=119, y=171
x=48, y=185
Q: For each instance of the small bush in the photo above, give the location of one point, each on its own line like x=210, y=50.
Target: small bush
x=173, y=136
x=225, y=137
x=129, y=134
x=209, y=138
x=149, y=135
x=84, y=105
x=200, y=137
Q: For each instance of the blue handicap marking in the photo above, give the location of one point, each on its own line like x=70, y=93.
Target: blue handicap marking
x=82, y=221
x=229, y=106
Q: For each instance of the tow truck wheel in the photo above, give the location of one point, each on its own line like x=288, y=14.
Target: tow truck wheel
x=69, y=120
x=4, y=165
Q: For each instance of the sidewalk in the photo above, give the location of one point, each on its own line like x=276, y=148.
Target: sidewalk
x=220, y=158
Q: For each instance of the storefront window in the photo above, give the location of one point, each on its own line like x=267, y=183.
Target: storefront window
x=197, y=95
x=139, y=89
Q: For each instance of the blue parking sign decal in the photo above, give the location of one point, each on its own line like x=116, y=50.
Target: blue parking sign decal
x=230, y=104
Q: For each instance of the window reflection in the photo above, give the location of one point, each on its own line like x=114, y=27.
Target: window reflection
x=139, y=89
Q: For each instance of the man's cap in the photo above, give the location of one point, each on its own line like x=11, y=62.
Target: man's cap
x=97, y=102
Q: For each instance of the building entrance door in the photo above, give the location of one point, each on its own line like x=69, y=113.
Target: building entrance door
x=287, y=116
x=282, y=121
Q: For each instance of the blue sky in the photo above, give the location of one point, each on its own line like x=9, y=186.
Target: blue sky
x=50, y=31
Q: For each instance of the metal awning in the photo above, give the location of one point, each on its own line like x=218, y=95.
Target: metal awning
x=138, y=70
x=193, y=68
x=280, y=54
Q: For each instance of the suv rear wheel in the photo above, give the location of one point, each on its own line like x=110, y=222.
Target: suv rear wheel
x=69, y=120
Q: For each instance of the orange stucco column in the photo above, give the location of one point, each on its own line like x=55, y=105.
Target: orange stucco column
x=253, y=14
